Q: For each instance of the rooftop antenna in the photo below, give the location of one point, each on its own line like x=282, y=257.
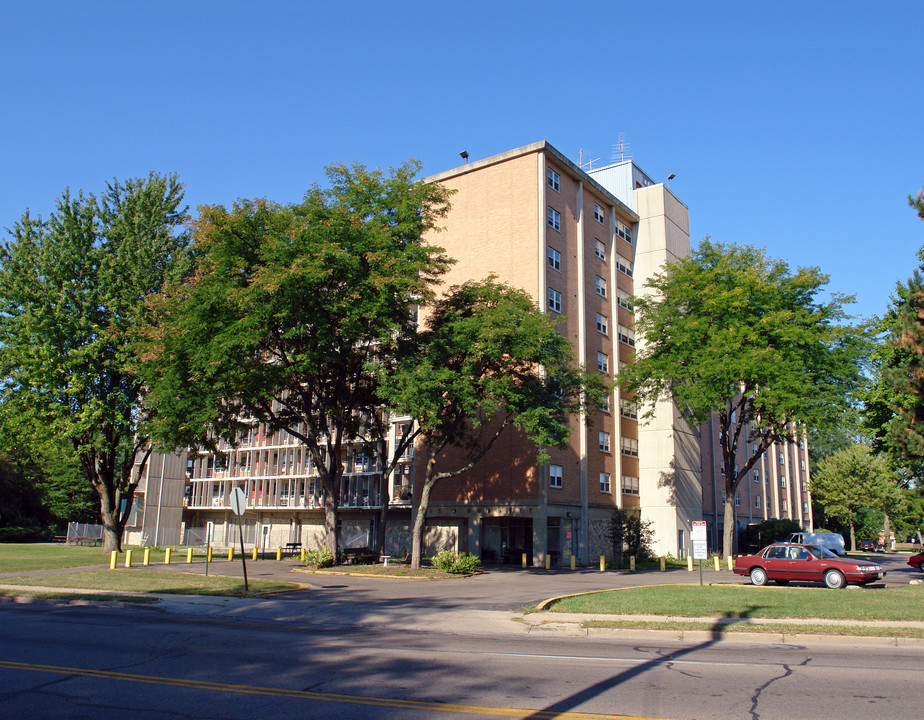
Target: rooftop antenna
x=588, y=163
x=621, y=151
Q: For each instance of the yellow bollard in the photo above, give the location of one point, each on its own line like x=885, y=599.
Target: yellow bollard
x=279, y=553
x=524, y=560
x=573, y=562
x=731, y=562
x=231, y=553
x=303, y=554
x=167, y=556
x=715, y=559
x=254, y=553
x=632, y=563
x=210, y=555
x=663, y=564
x=548, y=562
x=113, y=559
x=189, y=555
x=128, y=558
x=602, y=563
x=690, y=563
x=147, y=557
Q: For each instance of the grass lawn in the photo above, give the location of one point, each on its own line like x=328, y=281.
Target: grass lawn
x=19, y=557
x=746, y=601
x=150, y=581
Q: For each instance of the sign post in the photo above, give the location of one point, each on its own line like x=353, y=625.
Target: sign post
x=700, y=545
x=238, y=506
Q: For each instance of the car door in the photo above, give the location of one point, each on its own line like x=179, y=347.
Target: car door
x=776, y=562
x=803, y=565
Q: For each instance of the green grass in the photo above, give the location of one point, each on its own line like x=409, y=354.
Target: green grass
x=746, y=601
x=800, y=628
x=151, y=581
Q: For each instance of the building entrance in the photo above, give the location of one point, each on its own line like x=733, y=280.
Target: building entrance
x=505, y=539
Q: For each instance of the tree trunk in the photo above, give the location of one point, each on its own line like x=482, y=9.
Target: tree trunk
x=730, y=530
x=887, y=541
x=422, y=506
x=330, y=522
x=112, y=529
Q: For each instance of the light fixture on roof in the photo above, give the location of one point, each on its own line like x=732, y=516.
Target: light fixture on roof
x=464, y=155
x=669, y=178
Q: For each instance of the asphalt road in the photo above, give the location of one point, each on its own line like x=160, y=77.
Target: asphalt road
x=358, y=647
x=143, y=663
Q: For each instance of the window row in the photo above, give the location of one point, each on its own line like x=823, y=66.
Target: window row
x=556, y=479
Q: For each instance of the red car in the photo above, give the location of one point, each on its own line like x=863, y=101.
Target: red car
x=917, y=561
x=785, y=562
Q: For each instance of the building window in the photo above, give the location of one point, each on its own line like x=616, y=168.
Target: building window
x=600, y=250
x=757, y=476
x=782, y=482
x=554, y=219
x=553, y=179
x=555, y=476
x=603, y=440
x=724, y=496
x=600, y=285
x=554, y=259
x=623, y=231
x=722, y=470
x=630, y=484
x=782, y=459
x=783, y=506
x=604, y=482
x=601, y=323
x=627, y=335
x=623, y=299
x=624, y=265
x=737, y=500
x=757, y=502
x=554, y=300
x=603, y=362
x=804, y=507
x=802, y=464
x=629, y=447
x=605, y=403
x=598, y=214
x=627, y=408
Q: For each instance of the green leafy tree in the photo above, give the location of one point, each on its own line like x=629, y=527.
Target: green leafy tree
x=289, y=310
x=851, y=482
x=902, y=364
x=730, y=331
x=631, y=534
x=487, y=360
x=72, y=288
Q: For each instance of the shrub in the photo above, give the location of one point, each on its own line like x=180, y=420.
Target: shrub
x=449, y=562
x=322, y=557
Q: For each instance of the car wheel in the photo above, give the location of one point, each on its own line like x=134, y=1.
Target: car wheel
x=834, y=580
x=758, y=576
x=781, y=582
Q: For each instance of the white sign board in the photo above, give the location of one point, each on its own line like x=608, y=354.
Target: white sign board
x=700, y=543
x=238, y=501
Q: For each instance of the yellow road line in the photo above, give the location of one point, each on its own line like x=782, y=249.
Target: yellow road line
x=305, y=695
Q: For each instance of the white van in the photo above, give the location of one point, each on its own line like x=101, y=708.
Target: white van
x=828, y=540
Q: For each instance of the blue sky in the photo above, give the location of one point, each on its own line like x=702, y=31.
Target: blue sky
x=790, y=125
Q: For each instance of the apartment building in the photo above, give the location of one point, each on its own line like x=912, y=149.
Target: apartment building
x=581, y=243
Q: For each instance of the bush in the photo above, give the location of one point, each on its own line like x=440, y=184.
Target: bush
x=321, y=558
x=449, y=562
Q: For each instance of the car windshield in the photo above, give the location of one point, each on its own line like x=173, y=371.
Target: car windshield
x=821, y=552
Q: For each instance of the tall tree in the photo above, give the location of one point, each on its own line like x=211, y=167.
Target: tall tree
x=903, y=366
x=288, y=311
x=730, y=331
x=72, y=288
x=487, y=360
x=850, y=480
